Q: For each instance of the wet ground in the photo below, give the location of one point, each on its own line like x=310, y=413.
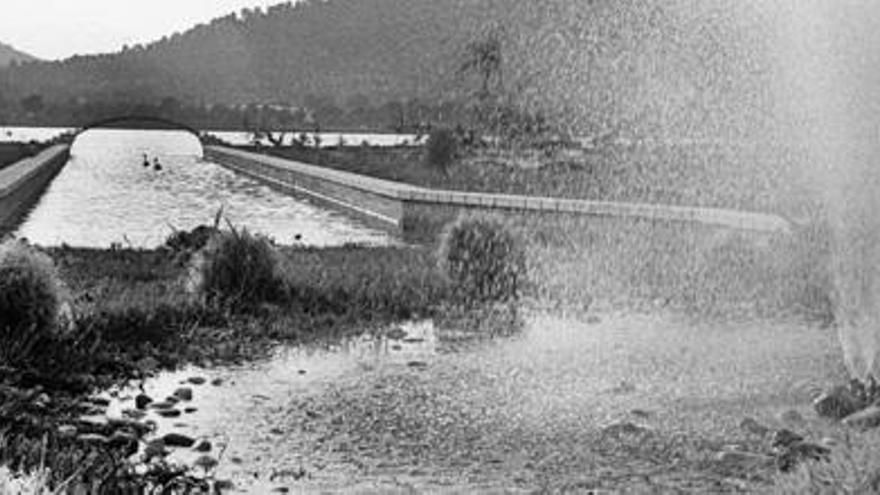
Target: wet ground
x=432, y=408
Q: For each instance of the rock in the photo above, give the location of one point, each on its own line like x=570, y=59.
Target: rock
x=799, y=452
x=155, y=448
x=203, y=446
x=624, y=387
x=217, y=382
x=396, y=334
x=142, y=401
x=743, y=460
x=751, y=425
x=302, y=372
x=837, y=403
x=93, y=438
x=190, y=410
x=197, y=380
x=148, y=365
x=641, y=413
x=184, y=393
x=168, y=413
x=162, y=405
x=866, y=418
x=178, y=440
x=133, y=413
x=207, y=462
x=126, y=442
x=417, y=364
x=93, y=423
x=829, y=442
x=224, y=485
x=172, y=399
x=67, y=431
x=626, y=429
x=281, y=489
x=42, y=401
x=99, y=401
x=129, y=425
x=783, y=439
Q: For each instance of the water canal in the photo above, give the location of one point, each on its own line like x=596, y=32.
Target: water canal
x=105, y=195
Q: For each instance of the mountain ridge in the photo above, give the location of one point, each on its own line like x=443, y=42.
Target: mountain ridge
x=9, y=54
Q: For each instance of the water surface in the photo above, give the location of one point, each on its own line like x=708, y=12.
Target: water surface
x=105, y=195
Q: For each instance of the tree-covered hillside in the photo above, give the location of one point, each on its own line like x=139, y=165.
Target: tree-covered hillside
x=9, y=55
x=644, y=67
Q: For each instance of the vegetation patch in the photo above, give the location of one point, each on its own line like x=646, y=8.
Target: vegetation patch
x=29, y=295
x=483, y=259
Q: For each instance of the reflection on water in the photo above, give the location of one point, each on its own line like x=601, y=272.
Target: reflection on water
x=105, y=195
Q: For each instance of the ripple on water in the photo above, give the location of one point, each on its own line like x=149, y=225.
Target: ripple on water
x=357, y=413
x=105, y=195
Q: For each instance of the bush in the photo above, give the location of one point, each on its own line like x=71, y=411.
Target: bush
x=29, y=292
x=237, y=270
x=852, y=468
x=483, y=259
x=441, y=149
x=182, y=240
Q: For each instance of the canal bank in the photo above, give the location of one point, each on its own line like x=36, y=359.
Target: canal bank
x=409, y=209
x=22, y=183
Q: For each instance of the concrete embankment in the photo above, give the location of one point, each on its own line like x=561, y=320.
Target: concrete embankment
x=406, y=207
x=22, y=183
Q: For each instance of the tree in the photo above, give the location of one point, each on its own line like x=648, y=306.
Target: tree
x=33, y=104
x=484, y=58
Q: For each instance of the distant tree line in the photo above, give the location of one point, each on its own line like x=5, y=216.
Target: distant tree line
x=324, y=114
x=510, y=68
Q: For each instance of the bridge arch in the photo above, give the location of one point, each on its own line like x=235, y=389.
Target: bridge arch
x=166, y=123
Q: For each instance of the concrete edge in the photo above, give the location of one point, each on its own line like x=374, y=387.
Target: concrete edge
x=717, y=217
x=23, y=170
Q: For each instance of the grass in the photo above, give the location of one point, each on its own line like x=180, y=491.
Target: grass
x=133, y=312
x=13, y=152
x=133, y=315
x=853, y=468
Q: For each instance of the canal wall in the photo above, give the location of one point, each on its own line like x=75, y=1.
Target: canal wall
x=22, y=183
x=419, y=211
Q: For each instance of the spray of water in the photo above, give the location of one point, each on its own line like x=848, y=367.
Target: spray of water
x=830, y=83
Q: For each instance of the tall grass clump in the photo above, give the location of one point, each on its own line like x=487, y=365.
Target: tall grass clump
x=853, y=468
x=440, y=149
x=29, y=293
x=237, y=270
x=483, y=259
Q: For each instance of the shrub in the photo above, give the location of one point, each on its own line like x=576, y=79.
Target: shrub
x=182, y=240
x=483, y=259
x=29, y=292
x=238, y=270
x=440, y=149
x=852, y=468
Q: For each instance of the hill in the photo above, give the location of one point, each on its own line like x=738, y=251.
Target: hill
x=653, y=68
x=9, y=55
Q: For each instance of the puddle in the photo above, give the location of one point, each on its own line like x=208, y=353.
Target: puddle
x=431, y=408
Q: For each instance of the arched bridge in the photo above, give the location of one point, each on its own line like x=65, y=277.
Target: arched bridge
x=155, y=123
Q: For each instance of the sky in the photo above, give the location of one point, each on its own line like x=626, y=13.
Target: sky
x=56, y=29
